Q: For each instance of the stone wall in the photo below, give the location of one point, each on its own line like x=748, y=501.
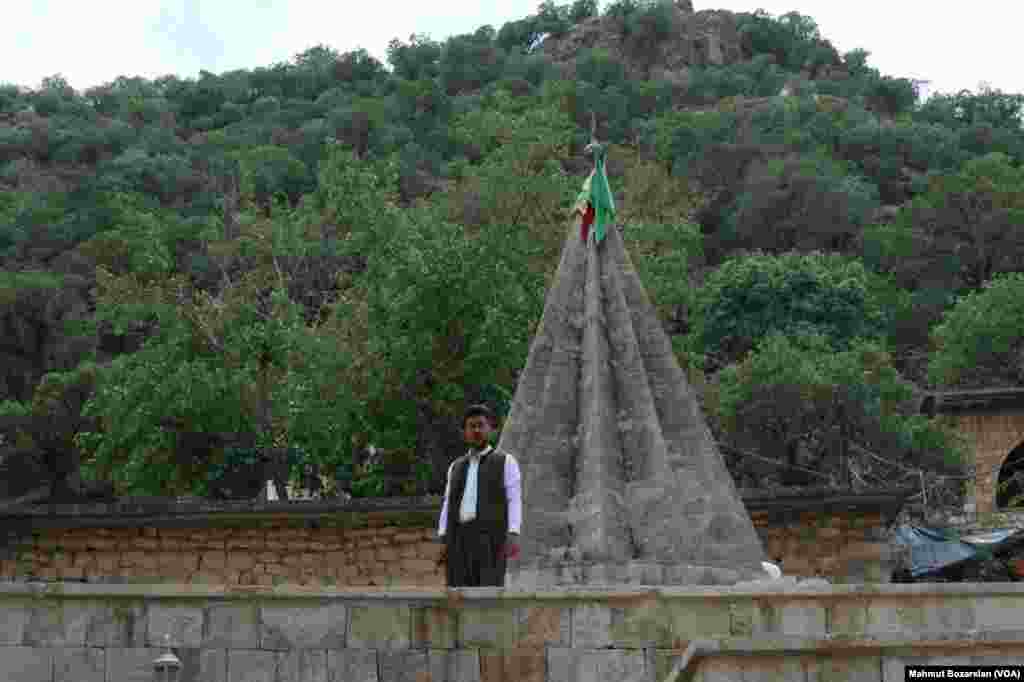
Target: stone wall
x=64, y=632
x=382, y=553
x=382, y=549
x=990, y=438
x=830, y=545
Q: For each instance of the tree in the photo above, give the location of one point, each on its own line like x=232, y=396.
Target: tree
x=553, y=18
x=582, y=10
x=12, y=98
x=966, y=228
x=416, y=59
x=42, y=438
x=980, y=340
x=469, y=62
x=358, y=65
x=803, y=204
x=435, y=351
x=750, y=297
x=792, y=39
x=994, y=107
x=268, y=170
x=797, y=411
x=230, y=368
x=519, y=35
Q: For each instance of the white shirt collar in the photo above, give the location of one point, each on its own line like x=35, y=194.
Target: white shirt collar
x=482, y=452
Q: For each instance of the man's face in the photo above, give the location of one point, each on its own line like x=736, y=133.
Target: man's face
x=478, y=431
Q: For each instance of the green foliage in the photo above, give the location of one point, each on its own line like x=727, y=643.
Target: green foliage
x=12, y=98
x=582, y=10
x=662, y=254
x=643, y=24
x=519, y=35
x=360, y=197
x=416, y=59
x=12, y=284
x=379, y=188
x=750, y=297
x=965, y=108
x=804, y=204
x=892, y=96
x=680, y=137
x=792, y=39
x=800, y=401
x=982, y=337
x=434, y=344
x=469, y=62
x=600, y=69
x=553, y=18
x=268, y=170
x=966, y=228
x=139, y=242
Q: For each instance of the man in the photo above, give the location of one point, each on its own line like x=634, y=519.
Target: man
x=482, y=509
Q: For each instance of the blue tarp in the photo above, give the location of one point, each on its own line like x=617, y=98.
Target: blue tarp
x=930, y=551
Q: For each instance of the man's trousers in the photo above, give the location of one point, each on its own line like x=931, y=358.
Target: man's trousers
x=473, y=559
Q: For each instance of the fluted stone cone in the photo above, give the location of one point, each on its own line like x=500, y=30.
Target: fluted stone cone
x=622, y=480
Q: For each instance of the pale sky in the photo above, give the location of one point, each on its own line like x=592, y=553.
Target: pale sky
x=954, y=46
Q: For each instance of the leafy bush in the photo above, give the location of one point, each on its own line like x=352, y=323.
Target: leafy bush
x=808, y=203
x=643, y=24
x=681, y=137
x=792, y=39
x=750, y=297
x=825, y=417
x=599, y=68
x=982, y=337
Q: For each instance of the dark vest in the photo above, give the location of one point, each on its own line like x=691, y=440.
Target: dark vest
x=491, y=500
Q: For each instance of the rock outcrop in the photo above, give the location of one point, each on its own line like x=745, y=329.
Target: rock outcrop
x=708, y=37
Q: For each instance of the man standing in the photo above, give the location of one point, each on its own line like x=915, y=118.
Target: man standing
x=482, y=509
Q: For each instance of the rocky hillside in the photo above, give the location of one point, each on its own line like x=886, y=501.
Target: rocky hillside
x=264, y=260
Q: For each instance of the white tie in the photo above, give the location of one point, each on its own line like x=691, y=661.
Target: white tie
x=467, y=511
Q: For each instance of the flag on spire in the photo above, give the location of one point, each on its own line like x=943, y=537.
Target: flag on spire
x=595, y=202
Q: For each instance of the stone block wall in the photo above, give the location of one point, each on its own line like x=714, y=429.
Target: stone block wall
x=355, y=550
x=112, y=633
x=380, y=555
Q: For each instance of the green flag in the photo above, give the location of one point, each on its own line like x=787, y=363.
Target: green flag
x=595, y=201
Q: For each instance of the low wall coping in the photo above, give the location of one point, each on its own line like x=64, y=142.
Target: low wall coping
x=588, y=593
x=187, y=511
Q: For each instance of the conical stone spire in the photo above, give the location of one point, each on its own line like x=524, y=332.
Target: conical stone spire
x=622, y=480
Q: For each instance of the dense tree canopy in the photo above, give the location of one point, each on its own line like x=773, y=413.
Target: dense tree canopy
x=256, y=268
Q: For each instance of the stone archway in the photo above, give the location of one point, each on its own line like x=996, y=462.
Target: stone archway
x=991, y=422
x=1010, y=486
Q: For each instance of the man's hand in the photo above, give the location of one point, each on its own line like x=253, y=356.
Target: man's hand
x=510, y=550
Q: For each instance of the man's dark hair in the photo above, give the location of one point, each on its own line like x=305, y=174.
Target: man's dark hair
x=476, y=411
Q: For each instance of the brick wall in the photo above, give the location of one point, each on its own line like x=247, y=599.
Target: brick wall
x=822, y=544
x=372, y=556
x=388, y=551
x=990, y=438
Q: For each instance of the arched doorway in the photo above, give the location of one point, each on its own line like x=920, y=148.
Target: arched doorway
x=1010, y=489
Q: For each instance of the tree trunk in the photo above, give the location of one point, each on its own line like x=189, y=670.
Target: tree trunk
x=278, y=456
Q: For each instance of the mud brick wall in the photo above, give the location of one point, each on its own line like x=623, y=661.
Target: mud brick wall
x=822, y=544
x=379, y=555
x=372, y=551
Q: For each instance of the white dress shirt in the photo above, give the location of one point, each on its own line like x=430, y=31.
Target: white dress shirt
x=468, y=508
